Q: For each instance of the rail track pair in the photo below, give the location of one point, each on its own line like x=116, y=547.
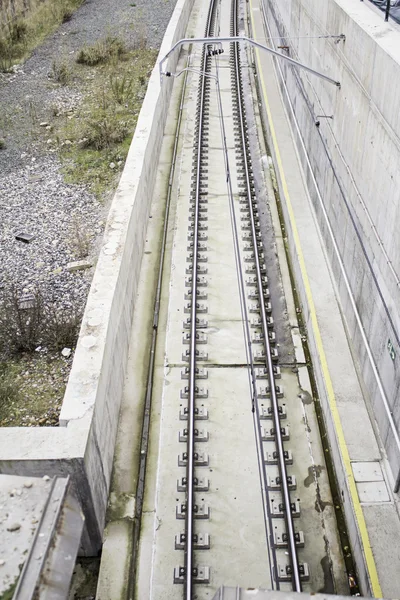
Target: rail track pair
x=261, y=363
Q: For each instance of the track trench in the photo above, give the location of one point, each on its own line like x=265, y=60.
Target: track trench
x=224, y=490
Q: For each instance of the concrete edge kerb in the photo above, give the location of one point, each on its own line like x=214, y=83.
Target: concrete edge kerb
x=90, y=410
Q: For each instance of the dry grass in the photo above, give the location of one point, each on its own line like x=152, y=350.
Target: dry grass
x=80, y=239
x=61, y=71
x=102, y=128
x=121, y=87
x=32, y=373
x=103, y=51
x=37, y=385
x=9, y=388
x=26, y=323
x=24, y=32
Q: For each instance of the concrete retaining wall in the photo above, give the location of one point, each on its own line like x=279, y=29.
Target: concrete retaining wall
x=83, y=446
x=355, y=158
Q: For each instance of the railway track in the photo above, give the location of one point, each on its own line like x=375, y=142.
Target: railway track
x=262, y=332
x=265, y=325
x=190, y=573
x=224, y=419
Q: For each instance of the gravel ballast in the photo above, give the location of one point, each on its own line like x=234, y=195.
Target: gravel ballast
x=39, y=203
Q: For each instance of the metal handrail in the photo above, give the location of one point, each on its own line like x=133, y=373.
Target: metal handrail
x=242, y=38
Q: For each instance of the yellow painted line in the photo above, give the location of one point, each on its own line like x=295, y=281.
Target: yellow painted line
x=369, y=557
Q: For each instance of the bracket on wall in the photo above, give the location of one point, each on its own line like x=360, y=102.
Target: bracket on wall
x=339, y=38
x=318, y=123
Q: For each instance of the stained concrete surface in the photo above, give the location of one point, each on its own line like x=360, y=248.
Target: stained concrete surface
x=353, y=423
x=235, y=524
x=350, y=404
x=40, y=528
x=116, y=565
x=22, y=502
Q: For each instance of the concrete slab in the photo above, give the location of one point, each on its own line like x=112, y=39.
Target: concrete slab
x=235, y=593
x=367, y=471
x=40, y=529
x=384, y=528
x=373, y=491
x=236, y=523
x=298, y=346
x=22, y=502
x=116, y=567
x=116, y=560
x=79, y=265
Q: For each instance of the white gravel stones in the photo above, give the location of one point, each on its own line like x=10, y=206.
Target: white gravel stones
x=37, y=199
x=33, y=195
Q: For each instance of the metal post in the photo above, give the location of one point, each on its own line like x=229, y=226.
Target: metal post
x=387, y=10
x=397, y=484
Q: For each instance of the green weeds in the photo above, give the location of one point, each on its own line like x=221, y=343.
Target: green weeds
x=9, y=388
x=102, y=128
x=32, y=388
x=61, y=71
x=103, y=51
x=121, y=87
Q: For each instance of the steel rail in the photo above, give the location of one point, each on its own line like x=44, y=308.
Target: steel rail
x=374, y=369
x=189, y=517
x=145, y=433
x=296, y=583
x=248, y=347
